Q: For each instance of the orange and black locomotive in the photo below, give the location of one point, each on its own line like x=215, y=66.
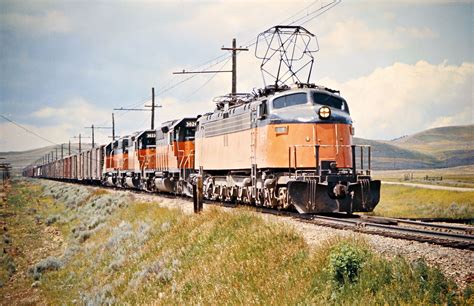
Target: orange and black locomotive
x=290, y=147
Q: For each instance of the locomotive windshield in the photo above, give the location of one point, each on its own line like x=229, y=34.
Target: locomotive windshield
x=290, y=100
x=189, y=133
x=148, y=139
x=331, y=101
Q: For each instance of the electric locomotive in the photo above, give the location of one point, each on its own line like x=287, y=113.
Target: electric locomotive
x=288, y=147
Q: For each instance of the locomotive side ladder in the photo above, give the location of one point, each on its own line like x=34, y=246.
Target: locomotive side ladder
x=253, y=150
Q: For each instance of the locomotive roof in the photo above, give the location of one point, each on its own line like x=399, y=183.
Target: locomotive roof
x=173, y=123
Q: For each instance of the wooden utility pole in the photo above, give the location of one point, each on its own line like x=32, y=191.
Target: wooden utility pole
x=143, y=109
x=69, y=147
x=62, y=151
x=92, y=127
x=234, y=50
x=113, y=128
x=153, y=108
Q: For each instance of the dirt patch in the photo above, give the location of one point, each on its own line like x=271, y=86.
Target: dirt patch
x=25, y=241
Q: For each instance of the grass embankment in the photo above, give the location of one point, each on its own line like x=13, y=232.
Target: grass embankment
x=116, y=251
x=411, y=202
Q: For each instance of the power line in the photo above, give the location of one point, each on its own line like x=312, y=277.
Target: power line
x=219, y=59
x=28, y=130
x=169, y=85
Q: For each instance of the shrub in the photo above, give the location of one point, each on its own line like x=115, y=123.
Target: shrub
x=52, y=219
x=49, y=264
x=346, y=262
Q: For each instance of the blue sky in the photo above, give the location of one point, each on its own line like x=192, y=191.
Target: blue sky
x=403, y=66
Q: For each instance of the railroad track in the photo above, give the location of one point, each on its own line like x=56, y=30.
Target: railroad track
x=460, y=237
x=455, y=236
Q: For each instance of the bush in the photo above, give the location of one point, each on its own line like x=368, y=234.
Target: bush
x=52, y=219
x=346, y=262
x=49, y=264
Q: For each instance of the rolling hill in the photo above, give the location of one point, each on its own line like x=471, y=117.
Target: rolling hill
x=19, y=160
x=442, y=147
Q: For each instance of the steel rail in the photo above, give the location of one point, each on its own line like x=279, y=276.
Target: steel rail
x=437, y=234
x=355, y=223
x=466, y=229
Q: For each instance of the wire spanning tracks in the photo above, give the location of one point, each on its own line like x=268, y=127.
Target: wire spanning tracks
x=446, y=235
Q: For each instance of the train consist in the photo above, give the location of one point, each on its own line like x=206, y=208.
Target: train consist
x=286, y=148
x=282, y=147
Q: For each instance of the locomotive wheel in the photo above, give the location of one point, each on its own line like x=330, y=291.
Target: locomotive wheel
x=233, y=195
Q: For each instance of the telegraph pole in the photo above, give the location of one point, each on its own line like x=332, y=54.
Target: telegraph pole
x=113, y=128
x=62, y=151
x=56, y=149
x=69, y=147
x=153, y=108
x=92, y=127
x=234, y=50
x=144, y=109
x=80, y=143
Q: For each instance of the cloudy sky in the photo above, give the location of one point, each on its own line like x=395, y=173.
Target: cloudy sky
x=403, y=66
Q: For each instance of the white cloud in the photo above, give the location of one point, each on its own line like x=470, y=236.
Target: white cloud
x=49, y=22
x=402, y=99
x=74, y=112
x=354, y=34
x=57, y=124
x=16, y=139
x=417, y=33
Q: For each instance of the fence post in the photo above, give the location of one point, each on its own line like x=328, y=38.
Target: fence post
x=197, y=194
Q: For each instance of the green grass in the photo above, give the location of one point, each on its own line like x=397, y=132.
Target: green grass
x=452, y=177
x=143, y=253
x=237, y=258
x=410, y=202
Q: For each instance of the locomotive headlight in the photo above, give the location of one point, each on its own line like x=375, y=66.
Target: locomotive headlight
x=324, y=112
x=281, y=130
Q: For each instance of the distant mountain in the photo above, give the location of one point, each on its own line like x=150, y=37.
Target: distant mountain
x=434, y=148
x=21, y=159
x=388, y=156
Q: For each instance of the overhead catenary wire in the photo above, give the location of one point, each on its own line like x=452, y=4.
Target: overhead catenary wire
x=28, y=130
x=34, y=133
x=169, y=85
x=249, y=43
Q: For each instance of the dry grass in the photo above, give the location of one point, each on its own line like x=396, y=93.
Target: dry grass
x=410, y=202
x=142, y=253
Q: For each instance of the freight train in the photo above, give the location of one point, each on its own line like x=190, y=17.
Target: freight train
x=281, y=147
